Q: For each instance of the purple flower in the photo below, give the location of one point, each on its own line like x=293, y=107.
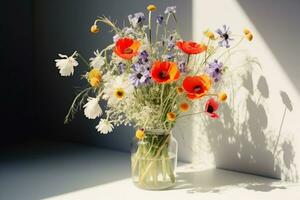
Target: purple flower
x=168, y=56
x=214, y=69
x=171, y=42
x=144, y=56
x=170, y=10
x=122, y=67
x=140, y=75
x=141, y=70
x=182, y=67
x=136, y=19
x=159, y=19
x=225, y=36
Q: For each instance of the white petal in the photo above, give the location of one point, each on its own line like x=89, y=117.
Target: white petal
x=66, y=65
x=92, y=109
x=104, y=126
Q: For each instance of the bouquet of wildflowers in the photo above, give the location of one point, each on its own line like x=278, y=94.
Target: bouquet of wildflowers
x=150, y=77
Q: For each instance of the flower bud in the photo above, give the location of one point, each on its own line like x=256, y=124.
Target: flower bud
x=171, y=116
x=151, y=7
x=95, y=29
x=249, y=37
x=140, y=134
x=246, y=31
x=222, y=96
x=209, y=34
x=184, y=107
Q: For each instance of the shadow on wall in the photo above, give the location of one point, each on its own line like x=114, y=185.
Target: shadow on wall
x=280, y=30
x=241, y=139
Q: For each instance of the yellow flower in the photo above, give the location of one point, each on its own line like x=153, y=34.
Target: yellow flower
x=209, y=34
x=222, y=96
x=249, y=37
x=94, y=77
x=119, y=93
x=248, y=34
x=151, y=7
x=171, y=116
x=184, y=106
x=140, y=134
x=246, y=31
x=95, y=28
x=94, y=82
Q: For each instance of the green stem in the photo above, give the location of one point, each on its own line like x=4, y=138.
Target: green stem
x=165, y=29
x=206, y=52
x=154, y=158
x=177, y=24
x=83, y=59
x=205, y=58
x=156, y=32
x=168, y=167
x=237, y=44
x=71, y=110
x=191, y=114
x=149, y=24
x=162, y=93
x=188, y=59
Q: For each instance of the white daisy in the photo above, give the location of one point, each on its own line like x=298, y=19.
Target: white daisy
x=92, y=108
x=104, y=126
x=116, y=88
x=98, y=61
x=66, y=64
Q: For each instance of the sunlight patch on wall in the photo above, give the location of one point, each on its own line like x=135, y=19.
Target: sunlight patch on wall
x=260, y=134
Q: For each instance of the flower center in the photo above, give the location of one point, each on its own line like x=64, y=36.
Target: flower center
x=210, y=109
x=197, y=88
x=139, y=76
x=163, y=75
x=128, y=50
x=119, y=93
x=193, y=44
x=226, y=36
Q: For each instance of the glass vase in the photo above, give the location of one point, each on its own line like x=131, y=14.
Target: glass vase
x=153, y=160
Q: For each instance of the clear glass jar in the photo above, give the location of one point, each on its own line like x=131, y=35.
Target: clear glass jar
x=153, y=160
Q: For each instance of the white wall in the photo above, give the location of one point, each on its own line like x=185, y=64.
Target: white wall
x=259, y=132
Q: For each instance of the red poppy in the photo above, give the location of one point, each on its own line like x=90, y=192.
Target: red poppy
x=190, y=47
x=210, y=108
x=196, y=86
x=164, y=72
x=127, y=48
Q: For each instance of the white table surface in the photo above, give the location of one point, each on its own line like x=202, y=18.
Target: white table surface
x=61, y=171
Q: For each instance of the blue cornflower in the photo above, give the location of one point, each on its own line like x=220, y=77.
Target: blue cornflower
x=141, y=70
x=140, y=75
x=225, y=36
x=214, y=69
x=143, y=57
x=159, y=19
x=136, y=19
x=170, y=10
